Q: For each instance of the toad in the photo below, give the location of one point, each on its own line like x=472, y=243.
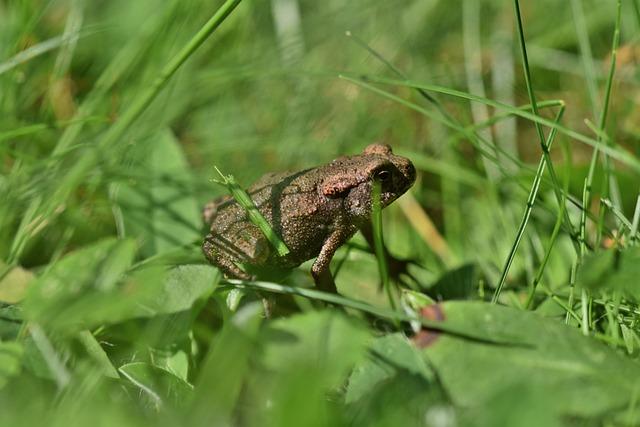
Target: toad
x=314, y=211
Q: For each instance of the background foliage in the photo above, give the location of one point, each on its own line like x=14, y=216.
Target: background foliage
x=109, y=314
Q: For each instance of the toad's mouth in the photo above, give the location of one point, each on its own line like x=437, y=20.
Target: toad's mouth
x=388, y=197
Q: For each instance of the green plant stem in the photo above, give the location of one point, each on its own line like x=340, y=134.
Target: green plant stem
x=376, y=220
x=547, y=255
x=603, y=121
x=531, y=199
x=255, y=216
x=615, y=153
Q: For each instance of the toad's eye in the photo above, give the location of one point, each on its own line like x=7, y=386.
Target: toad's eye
x=382, y=176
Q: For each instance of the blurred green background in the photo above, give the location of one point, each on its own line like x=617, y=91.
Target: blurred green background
x=109, y=313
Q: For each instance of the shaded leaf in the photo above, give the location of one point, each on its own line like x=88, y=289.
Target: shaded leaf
x=322, y=345
x=518, y=405
x=10, y=321
x=225, y=366
x=10, y=361
x=459, y=283
x=160, y=386
x=89, y=287
x=393, y=386
x=549, y=357
x=388, y=356
x=96, y=352
x=158, y=206
x=13, y=286
x=183, y=285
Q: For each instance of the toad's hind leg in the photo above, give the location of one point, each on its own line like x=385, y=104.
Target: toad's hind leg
x=222, y=260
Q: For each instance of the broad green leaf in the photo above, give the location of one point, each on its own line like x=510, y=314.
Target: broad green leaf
x=174, y=303
x=223, y=372
x=97, y=353
x=586, y=377
x=13, y=286
x=324, y=339
x=402, y=399
x=157, y=206
x=89, y=287
x=10, y=361
x=176, y=363
x=305, y=358
x=455, y=284
x=388, y=355
x=182, y=286
x=10, y=321
x=158, y=385
x=518, y=405
x=393, y=386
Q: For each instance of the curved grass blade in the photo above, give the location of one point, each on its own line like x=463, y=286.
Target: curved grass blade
x=615, y=153
x=78, y=171
x=255, y=216
x=535, y=186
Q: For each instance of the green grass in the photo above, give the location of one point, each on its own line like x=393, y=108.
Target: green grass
x=522, y=226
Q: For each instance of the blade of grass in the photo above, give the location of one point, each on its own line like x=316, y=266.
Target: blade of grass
x=353, y=304
x=636, y=222
x=615, y=153
x=453, y=124
x=255, y=216
x=473, y=73
x=56, y=366
x=376, y=221
x=584, y=297
x=588, y=184
x=610, y=188
x=78, y=171
x=552, y=241
x=37, y=50
x=534, y=106
x=531, y=199
x=472, y=139
x=585, y=54
x=572, y=286
x=623, y=220
x=602, y=123
x=636, y=11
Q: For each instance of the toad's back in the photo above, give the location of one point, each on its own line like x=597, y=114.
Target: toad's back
x=293, y=207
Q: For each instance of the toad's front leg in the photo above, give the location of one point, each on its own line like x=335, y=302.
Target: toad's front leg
x=320, y=269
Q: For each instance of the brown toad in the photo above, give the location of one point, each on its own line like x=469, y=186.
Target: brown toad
x=314, y=211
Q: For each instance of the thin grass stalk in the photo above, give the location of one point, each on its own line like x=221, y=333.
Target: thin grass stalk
x=615, y=153
x=610, y=188
x=636, y=11
x=635, y=222
x=376, y=220
x=588, y=186
x=572, y=286
x=603, y=120
x=463, y=130
x=473, y=73
x=547, y=255
x=336, y=299
x=531, y=199
x=585, y=55
x=538, y=126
